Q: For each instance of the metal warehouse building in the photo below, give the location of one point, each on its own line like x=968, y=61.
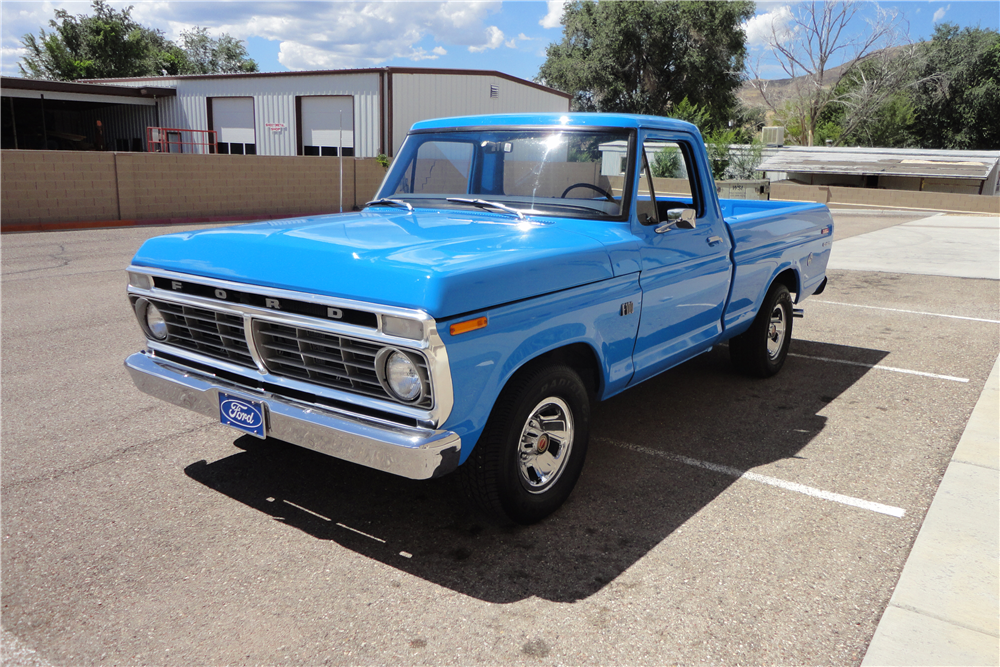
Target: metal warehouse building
x=363, y=111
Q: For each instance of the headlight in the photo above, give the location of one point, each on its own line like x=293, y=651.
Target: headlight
x=151, y=319
x=400, y=375
x=155, y=322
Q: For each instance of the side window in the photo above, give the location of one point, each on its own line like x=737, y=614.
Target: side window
x=673, y=176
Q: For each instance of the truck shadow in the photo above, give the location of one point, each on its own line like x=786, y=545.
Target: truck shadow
x=631, y=495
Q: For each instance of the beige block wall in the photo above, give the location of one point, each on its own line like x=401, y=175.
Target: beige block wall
x=45, y=187
x=368, y=175
x=154, y=185
x=933, y=201
x=57, y=186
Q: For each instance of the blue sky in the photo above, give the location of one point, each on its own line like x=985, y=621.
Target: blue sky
x=507, y=36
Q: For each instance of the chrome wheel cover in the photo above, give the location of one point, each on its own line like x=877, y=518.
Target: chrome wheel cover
x=545, y=444
x=776, y=332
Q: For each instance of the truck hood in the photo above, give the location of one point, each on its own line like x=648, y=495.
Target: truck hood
x=444, y=262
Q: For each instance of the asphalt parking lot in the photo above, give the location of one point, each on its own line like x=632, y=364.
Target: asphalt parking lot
x=719, y=519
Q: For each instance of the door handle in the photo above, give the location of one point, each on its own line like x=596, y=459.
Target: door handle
x=714, y=240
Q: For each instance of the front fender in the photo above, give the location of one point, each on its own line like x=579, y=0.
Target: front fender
x=483, y=361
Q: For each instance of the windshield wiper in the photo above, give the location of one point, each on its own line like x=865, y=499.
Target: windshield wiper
x=385, y=201
x=482, y=203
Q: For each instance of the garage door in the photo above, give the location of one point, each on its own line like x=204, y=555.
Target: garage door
x=327, y=123
x=232, y=119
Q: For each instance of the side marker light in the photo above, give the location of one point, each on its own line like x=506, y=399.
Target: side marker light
x=467, y=326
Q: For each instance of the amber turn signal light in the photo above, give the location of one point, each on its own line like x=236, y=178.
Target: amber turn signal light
x=467, y=326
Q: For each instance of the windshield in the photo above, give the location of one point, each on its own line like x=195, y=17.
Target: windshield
x=549, y=172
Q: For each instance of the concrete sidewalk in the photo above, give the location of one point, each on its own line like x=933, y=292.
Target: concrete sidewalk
x=960, y=246
x=945, y=609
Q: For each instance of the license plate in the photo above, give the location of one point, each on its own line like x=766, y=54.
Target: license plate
x=243, y=414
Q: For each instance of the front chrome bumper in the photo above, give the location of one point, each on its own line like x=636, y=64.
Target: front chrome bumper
x=415, y=453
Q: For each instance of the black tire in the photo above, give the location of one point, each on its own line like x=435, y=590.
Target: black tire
x=761, y=350
x=530, y=455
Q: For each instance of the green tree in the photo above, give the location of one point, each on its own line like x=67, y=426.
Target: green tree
x=108, y=44
x=691, y=113
x=943, y=94
x=646, y=57
x=208, y=55
x=718, y=143
x=955, y=103
x=862, y=116
x=111, y=44
x=819, y=36
x=667, y=163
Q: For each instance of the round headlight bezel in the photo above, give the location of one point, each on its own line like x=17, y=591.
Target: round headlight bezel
x=157, y=330
x=382, y=365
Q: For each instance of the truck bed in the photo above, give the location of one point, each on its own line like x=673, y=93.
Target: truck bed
x=769, y=237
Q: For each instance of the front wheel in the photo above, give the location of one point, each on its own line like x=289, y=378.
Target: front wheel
x=531, y=453
x=762, y=349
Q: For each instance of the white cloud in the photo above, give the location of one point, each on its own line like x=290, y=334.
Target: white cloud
x=18, y=20
x=494, y=40
x=761, y=29
x=524, y=38
x=312, y=35
x=553, y=19
x=9, y=58
x=939, y=14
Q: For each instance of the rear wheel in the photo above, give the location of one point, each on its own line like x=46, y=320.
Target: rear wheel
x=762, y=349
x=531, y=453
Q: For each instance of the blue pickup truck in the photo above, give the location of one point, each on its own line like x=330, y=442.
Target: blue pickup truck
x=511, y=270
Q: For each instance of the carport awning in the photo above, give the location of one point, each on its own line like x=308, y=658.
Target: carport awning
x=82, y=92
x=972, y=164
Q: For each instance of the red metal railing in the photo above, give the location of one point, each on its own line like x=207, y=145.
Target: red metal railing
x=180, y=140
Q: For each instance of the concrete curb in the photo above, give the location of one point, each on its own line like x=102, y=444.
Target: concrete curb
x=945, y=609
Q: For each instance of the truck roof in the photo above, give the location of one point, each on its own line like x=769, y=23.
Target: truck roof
x=623, y=120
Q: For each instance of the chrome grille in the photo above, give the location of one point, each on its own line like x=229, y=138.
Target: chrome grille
x=214, y=334
x=326, y=359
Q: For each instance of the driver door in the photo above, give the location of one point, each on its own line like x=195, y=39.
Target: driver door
x=686, y=268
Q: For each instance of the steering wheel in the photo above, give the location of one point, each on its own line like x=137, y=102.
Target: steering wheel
x=607, y=195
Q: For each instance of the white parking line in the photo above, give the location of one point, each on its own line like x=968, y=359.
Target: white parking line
x=299, y=507
x=764, y=479
x=878, y=367
x=912, y=312
x=377, y=539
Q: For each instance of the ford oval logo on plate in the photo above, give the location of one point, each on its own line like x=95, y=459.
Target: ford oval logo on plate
x=241, y=413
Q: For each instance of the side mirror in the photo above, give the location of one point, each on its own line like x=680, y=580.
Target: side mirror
x=684, y=217
x=681, y=218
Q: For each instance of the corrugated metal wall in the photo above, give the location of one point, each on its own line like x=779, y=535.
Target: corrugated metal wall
x=423, y=96
x=120, y=121
x=415, y=96
x=274, y=102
